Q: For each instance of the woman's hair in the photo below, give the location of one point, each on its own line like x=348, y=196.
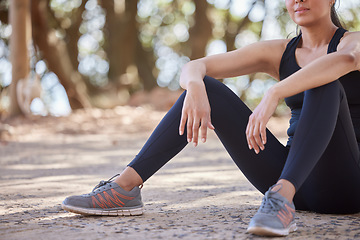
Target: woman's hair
x=335, y=18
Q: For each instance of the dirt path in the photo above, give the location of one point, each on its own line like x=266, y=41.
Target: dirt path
x=198, y=195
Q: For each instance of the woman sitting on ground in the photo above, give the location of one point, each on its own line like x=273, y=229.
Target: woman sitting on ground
x=318, y=170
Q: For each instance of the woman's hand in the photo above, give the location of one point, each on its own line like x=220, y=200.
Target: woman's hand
x=196, y=113
x=256, y=128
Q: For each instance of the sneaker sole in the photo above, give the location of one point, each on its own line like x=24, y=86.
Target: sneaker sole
x=271, y=232
x=118, y=212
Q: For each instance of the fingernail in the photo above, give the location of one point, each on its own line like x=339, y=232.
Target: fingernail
x=256, y=151
x=195, y=144
x=249, y=147
x=262, y=148
x=203, y=140
x=180, y=133
x=189, y=139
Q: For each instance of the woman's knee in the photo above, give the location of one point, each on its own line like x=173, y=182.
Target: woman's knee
x=216, y=89
x=333, y=90
x=211, y=83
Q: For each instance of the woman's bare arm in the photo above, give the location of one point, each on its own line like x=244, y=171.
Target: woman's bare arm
x=317, y=73
x=261, y=56
x=258, y=57
x=324, y=69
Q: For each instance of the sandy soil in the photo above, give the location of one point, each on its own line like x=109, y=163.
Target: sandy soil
x=198, y=195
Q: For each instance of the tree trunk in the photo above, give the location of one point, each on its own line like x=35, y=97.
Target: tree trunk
x=54, y=51
x=4, y=13
x=231, y=35
x=73, y=35
x=21, y=33
x=121, y=33
x=145, y=61
x=201, y=32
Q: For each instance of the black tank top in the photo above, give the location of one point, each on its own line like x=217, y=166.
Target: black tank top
x=350, y=82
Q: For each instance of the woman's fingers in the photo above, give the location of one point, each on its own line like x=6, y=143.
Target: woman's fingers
x=195, y=116
x=182, y=123
x=256, y=128
x=193, y=125
x=203, y=129
x=210, y=125
x=195, y=129
x=255, y=134
x=204, y=125
x=251, y=139
x=189, y=128
x=263, y=134
x=254, y=140
x=200, y=125
x=247, y=132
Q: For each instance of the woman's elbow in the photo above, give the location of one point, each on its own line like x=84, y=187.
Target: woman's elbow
x=349, y=61
x=356, y=60
x=354, y=57
x=353, y=62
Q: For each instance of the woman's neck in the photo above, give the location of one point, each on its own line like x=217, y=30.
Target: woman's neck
x=317, y=36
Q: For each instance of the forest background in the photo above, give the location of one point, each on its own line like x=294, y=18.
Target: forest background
x=60, y=55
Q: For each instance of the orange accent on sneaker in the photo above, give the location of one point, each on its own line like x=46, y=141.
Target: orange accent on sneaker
x=108, y=201
x=286, y=216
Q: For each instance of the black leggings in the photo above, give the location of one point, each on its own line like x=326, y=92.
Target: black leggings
x=322, y=162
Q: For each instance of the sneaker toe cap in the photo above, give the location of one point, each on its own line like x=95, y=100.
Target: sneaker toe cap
x=264, y=220
x=77, y=201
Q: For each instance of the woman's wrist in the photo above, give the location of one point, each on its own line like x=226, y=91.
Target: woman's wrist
x=275, y=93
x=195, y=84
x=192, y=73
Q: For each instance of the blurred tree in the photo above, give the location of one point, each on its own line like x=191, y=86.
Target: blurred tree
x=53, y=49
x=71, y=26
x=201, y=31
x=103, y=51
x=4, y=16
x=120, y=44
x=125, y=53
x=233, y=27
x=21, y=34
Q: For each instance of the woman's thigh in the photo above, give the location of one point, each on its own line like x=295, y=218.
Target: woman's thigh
x=230, y=116
x=333, y=186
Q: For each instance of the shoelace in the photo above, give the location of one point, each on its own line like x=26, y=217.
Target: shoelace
x=270, y=204
x=103, y=182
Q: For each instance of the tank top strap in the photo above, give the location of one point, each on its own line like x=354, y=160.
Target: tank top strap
x=288, y=64
x=294, y=42
x=336, y=40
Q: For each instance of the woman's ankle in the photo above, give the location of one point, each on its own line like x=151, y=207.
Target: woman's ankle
x=128, y=179
x=285, y=189
x=126, y=186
